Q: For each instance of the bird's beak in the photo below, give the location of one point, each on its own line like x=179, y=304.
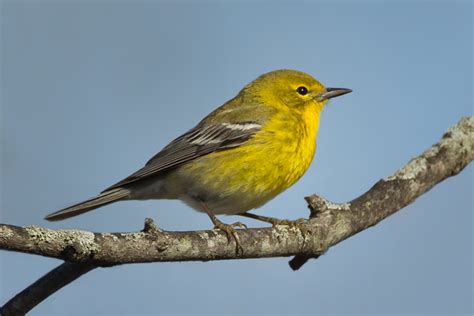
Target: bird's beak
x=332, y=93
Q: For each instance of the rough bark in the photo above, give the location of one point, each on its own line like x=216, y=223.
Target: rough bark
x=329, y=224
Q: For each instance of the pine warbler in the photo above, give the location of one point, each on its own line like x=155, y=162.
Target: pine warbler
x=237, y=158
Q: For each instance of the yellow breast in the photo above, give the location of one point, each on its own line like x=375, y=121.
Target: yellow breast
x=239, y=179
x=291, y=146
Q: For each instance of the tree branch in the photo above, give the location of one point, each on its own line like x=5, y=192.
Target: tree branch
x=328, y=225
x=49, y=283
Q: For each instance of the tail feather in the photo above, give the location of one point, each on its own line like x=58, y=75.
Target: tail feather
x=104, y=198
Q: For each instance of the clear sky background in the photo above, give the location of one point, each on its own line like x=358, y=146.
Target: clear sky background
x=92, y=89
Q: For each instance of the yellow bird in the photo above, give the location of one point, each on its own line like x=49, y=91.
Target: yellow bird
x=238, y=157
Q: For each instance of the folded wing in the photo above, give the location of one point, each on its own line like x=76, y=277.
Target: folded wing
x=197, y=142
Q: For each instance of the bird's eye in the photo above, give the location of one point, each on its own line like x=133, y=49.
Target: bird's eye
x=302, y=90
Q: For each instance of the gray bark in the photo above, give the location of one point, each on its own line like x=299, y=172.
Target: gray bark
x=329, y=224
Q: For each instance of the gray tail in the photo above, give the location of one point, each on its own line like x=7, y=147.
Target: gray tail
x=104, y=198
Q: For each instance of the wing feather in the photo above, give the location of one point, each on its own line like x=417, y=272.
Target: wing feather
x=197, y=142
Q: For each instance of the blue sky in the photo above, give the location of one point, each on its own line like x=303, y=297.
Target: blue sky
x=91, y=89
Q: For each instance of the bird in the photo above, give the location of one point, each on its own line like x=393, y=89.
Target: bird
x=239, y=157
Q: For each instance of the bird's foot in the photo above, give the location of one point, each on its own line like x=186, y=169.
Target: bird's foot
x=229, y=230
x=275, y=221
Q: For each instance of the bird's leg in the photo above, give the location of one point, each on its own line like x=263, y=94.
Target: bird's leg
x=272, y=220
x=229, y=229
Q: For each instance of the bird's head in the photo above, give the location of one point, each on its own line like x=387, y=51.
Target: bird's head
x=290, y=88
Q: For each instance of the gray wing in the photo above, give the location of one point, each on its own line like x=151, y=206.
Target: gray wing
x=197, y=142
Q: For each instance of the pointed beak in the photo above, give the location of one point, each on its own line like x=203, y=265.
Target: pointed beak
x=333, y=92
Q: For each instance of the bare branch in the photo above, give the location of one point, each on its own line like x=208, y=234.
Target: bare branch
x=34, y=294
x=329, y=224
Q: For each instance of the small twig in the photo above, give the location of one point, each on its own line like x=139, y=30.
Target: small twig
x=49, y=283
